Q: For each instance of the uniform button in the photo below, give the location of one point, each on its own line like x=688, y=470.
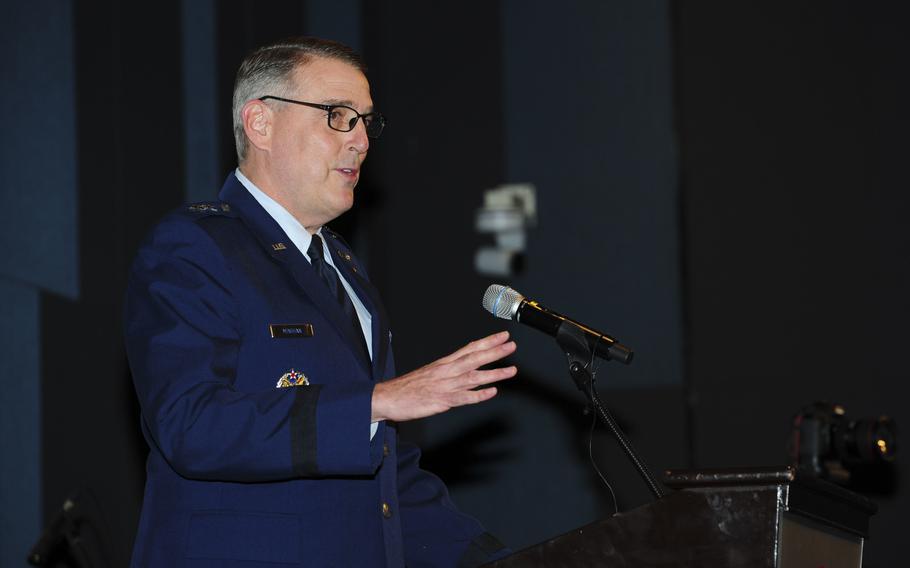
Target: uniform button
x=385, y=450
x=386, y=511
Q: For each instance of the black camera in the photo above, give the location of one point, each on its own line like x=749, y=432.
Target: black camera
x=827, y=444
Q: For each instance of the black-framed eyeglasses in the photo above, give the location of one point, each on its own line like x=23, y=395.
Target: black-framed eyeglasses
x=342, y=118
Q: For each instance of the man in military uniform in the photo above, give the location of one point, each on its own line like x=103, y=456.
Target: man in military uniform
x=261, y=354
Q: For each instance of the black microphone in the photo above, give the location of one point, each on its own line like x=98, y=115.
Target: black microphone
x=504, y=302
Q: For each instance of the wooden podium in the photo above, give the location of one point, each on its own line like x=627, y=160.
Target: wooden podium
x=755, y=518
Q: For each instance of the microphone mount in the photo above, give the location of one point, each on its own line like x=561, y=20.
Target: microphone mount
x=579, y=354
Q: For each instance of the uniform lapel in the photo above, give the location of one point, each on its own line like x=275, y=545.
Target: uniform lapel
x=274, y=240
x=370, y=298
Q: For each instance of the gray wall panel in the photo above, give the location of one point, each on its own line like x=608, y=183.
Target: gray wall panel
x=38, y=242
x=588, y=102
x=200, y=120
x=20, y=423
x=38, y=238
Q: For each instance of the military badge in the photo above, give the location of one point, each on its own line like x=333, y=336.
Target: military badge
x=292, y=379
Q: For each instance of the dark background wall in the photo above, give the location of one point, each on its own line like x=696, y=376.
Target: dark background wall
x=719, y=185
x=793, y=122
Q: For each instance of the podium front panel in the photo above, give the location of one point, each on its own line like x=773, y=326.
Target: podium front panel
x=807, y=543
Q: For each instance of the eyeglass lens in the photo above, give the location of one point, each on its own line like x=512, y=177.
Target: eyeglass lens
x=345, y=119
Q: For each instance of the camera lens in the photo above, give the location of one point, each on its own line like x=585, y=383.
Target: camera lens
x=871, y=440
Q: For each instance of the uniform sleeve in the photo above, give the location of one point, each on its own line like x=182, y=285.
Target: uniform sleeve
x=435, y=532
x=183, y=341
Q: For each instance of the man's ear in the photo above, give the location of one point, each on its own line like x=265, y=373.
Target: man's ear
x=257, y=123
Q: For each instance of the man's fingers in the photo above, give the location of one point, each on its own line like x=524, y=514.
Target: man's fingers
x=478, y=378
x=476, y=359
x=477, y=345
x=475, y=396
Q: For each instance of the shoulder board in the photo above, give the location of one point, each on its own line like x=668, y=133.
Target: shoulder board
x=209, y=208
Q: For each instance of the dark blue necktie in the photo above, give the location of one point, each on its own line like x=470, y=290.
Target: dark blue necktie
x=330, y=276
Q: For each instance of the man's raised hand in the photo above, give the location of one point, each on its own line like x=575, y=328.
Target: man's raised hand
x=445, y=383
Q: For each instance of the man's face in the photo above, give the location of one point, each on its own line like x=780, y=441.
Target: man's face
x=315, y=168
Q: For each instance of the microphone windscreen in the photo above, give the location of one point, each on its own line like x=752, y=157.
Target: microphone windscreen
x=502, y=301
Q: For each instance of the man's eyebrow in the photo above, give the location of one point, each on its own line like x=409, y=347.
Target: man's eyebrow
x=345, y=102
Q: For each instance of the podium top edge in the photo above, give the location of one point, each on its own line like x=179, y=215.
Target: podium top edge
x=773, y=475
x=767, y=476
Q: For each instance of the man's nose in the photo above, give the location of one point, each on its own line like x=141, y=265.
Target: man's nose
x=359, y=141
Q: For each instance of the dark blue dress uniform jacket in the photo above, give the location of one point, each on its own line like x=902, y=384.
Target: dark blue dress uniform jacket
x=241, y=472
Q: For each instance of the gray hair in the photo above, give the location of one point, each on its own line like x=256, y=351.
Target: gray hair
x=269, y=71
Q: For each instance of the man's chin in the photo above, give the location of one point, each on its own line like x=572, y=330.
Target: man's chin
x=344, y=205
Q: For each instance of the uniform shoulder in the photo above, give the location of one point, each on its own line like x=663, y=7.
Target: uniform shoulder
x=199, y=214
x=186, y=223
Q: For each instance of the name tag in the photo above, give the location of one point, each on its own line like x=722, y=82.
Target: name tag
x=291, y=330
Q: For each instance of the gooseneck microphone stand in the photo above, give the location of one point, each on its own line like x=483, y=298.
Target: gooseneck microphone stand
x=580, y=356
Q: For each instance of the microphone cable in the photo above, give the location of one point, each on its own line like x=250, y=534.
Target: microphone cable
x=590, y=409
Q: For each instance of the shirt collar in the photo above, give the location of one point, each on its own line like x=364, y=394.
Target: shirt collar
x=288, y=223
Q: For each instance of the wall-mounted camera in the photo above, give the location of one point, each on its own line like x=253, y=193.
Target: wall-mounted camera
x=507, y=212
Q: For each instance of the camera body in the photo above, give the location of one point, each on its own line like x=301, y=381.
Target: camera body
x=828, y=445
